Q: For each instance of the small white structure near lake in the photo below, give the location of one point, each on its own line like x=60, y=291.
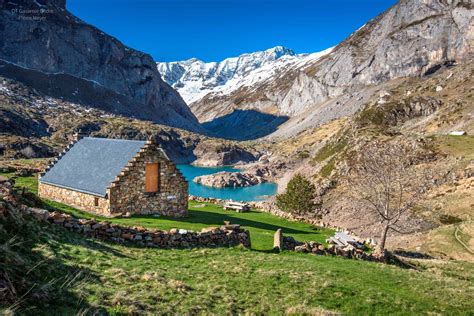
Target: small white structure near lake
x=457, y=133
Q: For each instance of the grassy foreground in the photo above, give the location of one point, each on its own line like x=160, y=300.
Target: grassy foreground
x=68, y=274
x=75, y=274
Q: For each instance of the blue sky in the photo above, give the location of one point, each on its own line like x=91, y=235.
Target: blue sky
x=212, y=30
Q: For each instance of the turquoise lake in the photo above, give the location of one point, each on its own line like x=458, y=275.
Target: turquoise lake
x=257, y=192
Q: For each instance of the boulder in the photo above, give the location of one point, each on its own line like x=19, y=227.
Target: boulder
x=302, y=248
x=278, y=240
x=39, y=214
x=209, y=229
x=229, y=179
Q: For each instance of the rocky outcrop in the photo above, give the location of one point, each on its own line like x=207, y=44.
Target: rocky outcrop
x=266, y=169
x=25, y=148
x=388, y=112
x=212, y=154
x=17, y=123
x=46, y=47
x=412, y=38
x=229, y=179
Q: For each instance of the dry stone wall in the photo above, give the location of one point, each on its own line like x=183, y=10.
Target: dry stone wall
x=224, y=236
x=348, y=252
x=315, y=248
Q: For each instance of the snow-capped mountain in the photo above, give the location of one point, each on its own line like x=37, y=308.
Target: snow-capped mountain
x=411, y=39
x=195, y=79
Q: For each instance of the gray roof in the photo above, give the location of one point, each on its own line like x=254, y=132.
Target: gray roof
x=92, y=164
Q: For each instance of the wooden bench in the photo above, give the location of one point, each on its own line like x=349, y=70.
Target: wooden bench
x=237, y=206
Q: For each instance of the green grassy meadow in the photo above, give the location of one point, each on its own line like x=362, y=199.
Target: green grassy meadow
x=70, y=275
x=74, y=275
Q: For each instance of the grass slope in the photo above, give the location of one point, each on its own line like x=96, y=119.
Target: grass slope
x=67, y=274
x=91, y=276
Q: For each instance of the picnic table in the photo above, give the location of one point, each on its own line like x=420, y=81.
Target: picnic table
x=237, y=206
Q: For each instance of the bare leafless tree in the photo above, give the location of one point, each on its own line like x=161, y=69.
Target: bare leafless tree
x=387, y=178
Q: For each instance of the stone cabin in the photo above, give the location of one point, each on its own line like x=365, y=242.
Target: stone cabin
x=111, y=177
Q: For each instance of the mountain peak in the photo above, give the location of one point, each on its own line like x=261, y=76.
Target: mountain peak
x=281, y=51
x=194, y=78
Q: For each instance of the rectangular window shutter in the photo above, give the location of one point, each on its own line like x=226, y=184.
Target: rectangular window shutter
x=151, y=177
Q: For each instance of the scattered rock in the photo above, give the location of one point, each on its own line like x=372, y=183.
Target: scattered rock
x=23, y=173
x=40, y=214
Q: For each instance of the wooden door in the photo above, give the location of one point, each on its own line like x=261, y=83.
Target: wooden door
x=152, y=177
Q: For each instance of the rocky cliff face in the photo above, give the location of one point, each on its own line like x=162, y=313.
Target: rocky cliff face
x=45, y=46
x=413, y=38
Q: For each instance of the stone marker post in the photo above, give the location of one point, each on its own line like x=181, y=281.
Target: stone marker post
x=278, y=240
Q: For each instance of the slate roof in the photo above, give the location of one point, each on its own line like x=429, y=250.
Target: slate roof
x=91, y=164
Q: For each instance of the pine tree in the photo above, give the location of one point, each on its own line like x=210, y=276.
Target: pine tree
x=298, y=197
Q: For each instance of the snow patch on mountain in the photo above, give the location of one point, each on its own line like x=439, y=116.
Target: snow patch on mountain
x=194, y=78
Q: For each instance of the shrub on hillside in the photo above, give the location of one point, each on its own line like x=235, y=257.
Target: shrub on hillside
x=298, y=197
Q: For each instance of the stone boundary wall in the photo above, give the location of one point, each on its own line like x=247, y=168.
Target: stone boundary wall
x=210, y=237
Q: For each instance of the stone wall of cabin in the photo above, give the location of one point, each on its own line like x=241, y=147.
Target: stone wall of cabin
x=127, y=192
x=79, y=200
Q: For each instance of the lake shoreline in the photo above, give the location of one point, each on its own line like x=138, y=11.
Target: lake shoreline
x=252, y=193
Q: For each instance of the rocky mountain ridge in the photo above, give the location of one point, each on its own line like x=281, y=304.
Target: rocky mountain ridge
x=195, y=79
x=48, y=48
x=412, y=38
x=34, y=125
